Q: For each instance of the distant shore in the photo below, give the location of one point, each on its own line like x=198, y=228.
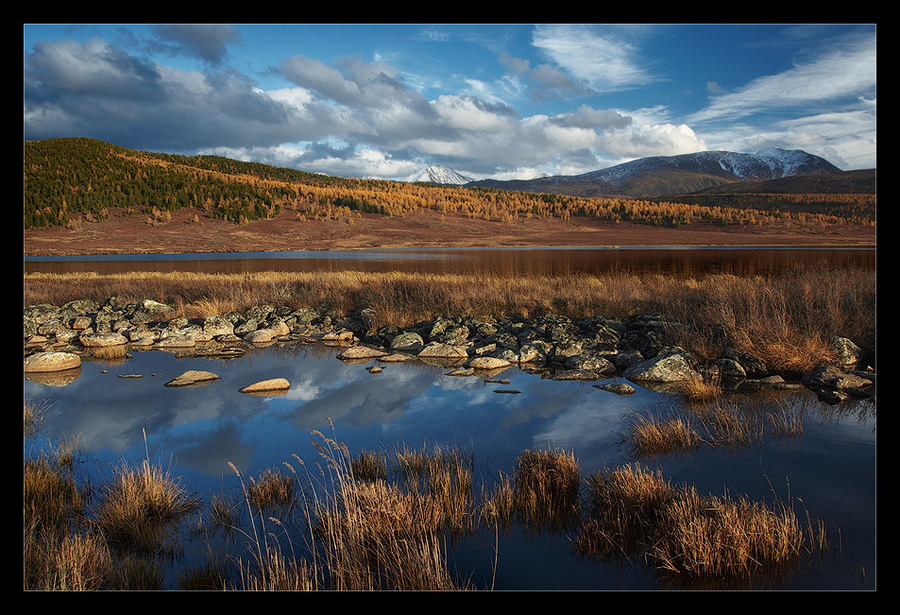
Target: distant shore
x=427, y=229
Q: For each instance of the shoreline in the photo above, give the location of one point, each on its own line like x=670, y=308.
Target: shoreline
x=185, y=234
x=268, y=253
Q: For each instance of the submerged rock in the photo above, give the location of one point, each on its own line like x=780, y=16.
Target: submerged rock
x=192, y=377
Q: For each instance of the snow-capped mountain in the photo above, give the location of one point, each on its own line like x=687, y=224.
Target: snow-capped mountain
x=667, y=175
x=439, y=174
x=771, y=163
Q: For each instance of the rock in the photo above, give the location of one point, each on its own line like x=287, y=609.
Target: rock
x=668, y=367
x=394, y=357
x=444, y=351
x=619, y=388
x=260, y=336
x=830, y=376
x=51, y=362
x=488, y=363
x=267, y=386
x=361, y=352
x=176, y=341
x=192, y=377
x=752, y=366
x=462, y=372
x=409, y=341
x=216, y=326
x=576, y=374
x=99, y=340
x=847, y=353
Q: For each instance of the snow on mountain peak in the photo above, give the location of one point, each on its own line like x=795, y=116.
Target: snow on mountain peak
x=438, y=174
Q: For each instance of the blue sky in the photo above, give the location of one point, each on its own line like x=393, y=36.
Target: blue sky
x=488, y=100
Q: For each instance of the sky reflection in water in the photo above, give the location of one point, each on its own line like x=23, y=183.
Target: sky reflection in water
x=200, y=430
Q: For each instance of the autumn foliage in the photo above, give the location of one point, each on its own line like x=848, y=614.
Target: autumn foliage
x=69, y=181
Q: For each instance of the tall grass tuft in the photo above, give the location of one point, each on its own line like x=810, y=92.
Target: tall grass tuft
x=139, y=508
x=707, y=536
x=547, y=485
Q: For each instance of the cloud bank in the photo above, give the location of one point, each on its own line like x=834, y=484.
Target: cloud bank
x=351, y=116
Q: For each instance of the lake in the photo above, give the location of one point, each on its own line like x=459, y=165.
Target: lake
x=829, y=471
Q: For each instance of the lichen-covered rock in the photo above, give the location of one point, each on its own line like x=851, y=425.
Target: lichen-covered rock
x=101, y=339
x=51, y=362
x=667, y=367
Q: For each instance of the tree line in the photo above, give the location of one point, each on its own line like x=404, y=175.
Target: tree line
x=79, y=179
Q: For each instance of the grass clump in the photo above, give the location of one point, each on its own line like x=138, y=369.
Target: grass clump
x=687, y=537
x=546, y=485
x=141, y=505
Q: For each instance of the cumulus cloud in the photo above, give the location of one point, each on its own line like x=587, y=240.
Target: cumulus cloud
x=353, y=117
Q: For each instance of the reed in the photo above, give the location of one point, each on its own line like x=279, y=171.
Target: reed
x=140, y=506
x=272, y=491
x=624, y=507
x=635, y=513
x=653, y=435
x=720, y=424
x=546, y=486
x=711, y=536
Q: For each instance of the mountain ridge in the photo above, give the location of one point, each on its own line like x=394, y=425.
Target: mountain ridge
x=659, y=176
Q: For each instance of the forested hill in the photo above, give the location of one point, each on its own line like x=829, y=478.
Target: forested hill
x=75, y=180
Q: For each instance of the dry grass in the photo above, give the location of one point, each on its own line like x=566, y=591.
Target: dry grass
x=546, y=486
x=785, y=319
x=381, y=526
x=272, y=491
x=720, y=424
x=140, y=506
x=635, y=513
x=708, y=536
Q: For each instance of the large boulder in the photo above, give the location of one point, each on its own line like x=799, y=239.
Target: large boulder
x=669, y=366
x=51, y=362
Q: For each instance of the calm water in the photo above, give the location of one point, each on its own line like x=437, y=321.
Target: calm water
x=829, y=471
x=548, y=261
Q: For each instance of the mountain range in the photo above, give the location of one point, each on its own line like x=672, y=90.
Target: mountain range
x=657, y=176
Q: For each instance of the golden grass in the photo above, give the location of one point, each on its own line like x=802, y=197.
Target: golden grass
x=785, y=319
x=140, y=505
x=719, y=424
x=722, y=536
x=389, y=529
x=635, y=513
x=546, y=485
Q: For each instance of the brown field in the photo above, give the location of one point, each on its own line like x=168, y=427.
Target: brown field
x=133, y=234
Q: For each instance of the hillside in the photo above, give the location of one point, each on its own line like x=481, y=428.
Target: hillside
x=665, y=176
x=86, y=196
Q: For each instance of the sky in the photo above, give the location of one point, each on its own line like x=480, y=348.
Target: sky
x=502, y=101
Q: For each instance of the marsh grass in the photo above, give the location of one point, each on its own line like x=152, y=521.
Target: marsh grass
x=720, y=424
x=785, y=319
x=379, y=521
x=272, y=491
x=546, y=485
x=141, y=505
x=635, y=514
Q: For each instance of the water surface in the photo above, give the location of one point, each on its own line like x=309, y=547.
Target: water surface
x=828, y=471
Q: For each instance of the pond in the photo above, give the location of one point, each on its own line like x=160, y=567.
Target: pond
x=122, y=411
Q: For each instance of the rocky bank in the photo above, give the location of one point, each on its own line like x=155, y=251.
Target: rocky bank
x=614, y=352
